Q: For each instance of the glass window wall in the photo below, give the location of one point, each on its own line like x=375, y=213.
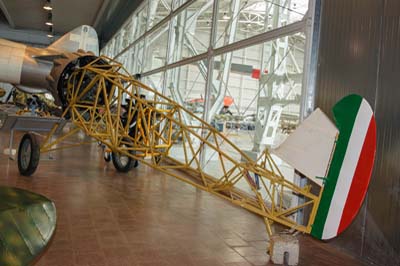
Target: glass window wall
x=186, y=86
x=155, y=81
x=242, y=19
x=140, y=20
x=253, y=91
x=126, y=32
x=156, y=48
x=191, y=30
x=158, y=10
x=177, y=3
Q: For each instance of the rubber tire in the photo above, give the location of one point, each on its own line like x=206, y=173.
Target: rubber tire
x=28, y=170
x=119, y=165
x=132, y=163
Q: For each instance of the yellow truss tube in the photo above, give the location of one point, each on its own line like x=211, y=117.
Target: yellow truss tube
x=96, y=108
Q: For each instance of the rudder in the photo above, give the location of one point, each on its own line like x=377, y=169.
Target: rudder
x=350, y=169
x=83, y=37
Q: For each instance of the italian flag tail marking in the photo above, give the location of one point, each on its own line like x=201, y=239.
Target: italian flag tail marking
x=351, y=167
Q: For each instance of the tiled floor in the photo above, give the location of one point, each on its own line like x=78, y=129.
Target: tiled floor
x=145, y=218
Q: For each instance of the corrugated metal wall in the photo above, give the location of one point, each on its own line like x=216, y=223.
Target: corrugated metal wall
x=360, y=53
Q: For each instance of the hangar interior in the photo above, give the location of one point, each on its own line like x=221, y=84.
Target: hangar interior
x=253, y=70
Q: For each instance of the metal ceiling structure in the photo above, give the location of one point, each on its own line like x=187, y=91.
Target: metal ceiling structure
x=24, y=20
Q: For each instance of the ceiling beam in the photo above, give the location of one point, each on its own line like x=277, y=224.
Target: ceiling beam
x=3, y=8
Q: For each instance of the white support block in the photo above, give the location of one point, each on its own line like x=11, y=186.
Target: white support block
x=9, y=152
x=284, y=245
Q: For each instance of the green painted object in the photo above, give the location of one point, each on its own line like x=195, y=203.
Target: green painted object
x=27, y=223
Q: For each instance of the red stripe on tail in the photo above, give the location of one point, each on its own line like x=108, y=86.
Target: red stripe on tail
x=361, y=178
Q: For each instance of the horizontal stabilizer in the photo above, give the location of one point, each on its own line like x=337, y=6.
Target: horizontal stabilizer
x=309, y=148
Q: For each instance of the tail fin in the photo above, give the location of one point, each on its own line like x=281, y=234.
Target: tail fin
x=83, y=37
x=350, y=168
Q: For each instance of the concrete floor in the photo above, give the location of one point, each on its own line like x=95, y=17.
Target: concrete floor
x=145, y=218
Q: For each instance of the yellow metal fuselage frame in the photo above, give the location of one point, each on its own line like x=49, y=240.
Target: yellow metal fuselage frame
x=96, y=107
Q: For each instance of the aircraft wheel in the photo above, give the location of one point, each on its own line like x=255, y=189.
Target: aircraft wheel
x=28, y=154
x=122, y=162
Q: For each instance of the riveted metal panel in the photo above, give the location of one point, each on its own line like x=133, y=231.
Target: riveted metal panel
x=360, y=53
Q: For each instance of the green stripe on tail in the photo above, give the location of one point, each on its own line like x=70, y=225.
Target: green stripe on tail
x=345, y=113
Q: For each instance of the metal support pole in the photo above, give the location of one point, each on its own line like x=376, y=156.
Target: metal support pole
x=226, y=60
x=312, y=31
x=153, y=4
x=266, y=105
x=175, y=47
x=145, y=40
x=313, y=18
x=209, y=77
